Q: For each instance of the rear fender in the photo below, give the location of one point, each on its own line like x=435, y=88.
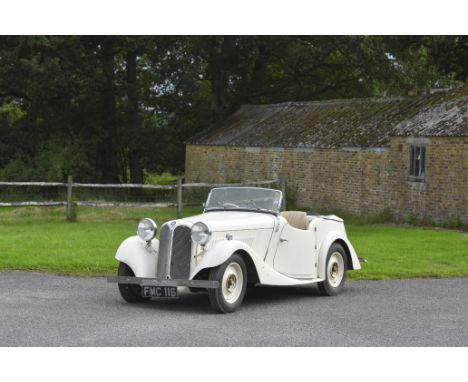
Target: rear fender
x=139, y=256
x=325, y=246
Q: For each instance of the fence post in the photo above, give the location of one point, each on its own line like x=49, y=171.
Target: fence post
x=179, y=198
x=69, y=198
x=283, y=190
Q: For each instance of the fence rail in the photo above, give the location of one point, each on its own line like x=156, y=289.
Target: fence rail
x=91, y=185
x=69, y=185
x=133, y=185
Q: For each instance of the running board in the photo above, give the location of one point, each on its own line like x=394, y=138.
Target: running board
x=303, y=282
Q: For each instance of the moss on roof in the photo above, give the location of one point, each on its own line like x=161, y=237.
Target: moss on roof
x=366, y=122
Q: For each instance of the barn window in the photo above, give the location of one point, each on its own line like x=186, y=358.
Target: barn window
x=417, y=165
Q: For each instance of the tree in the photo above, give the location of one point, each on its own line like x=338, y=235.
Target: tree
x=133, y=118
x=107, y=108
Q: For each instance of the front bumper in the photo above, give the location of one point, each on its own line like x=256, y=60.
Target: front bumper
x=142, y=281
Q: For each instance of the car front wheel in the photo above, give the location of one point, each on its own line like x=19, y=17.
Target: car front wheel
x=232, y=277
x=335, y=271
x=130, y=293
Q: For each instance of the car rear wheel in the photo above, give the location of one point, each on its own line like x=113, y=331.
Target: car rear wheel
x=130, y=293
x=335, y=271
x=232, y=276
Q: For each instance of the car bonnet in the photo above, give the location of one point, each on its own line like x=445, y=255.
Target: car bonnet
x=234, y=220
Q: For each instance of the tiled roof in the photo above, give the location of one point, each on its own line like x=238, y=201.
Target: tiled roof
x=366, y=122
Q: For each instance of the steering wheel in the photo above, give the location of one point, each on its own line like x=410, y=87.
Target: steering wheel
x=252, y=203
x=228, y=204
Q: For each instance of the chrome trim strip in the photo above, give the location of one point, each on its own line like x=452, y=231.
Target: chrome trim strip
x=165, y=249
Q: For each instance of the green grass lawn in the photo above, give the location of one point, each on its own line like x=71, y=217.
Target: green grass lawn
x=407, y=252
x=38, y=238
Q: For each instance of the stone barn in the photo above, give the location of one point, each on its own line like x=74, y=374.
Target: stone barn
x=406, y=155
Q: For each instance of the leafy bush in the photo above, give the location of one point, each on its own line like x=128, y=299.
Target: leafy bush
x=52, y=164
x=166, y=178
x=20, y=168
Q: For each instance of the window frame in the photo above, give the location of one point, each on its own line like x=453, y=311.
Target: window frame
x=417, y=166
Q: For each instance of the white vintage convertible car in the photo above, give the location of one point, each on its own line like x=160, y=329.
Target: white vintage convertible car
x=240, y=239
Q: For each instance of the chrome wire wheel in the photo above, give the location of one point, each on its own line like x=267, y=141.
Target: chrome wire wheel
x=335, y=269
x=232, y=283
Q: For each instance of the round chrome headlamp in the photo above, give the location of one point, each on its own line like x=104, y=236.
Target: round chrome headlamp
x=147, y=229
x=201, y=233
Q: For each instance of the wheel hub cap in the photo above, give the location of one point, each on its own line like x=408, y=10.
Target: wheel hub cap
x=335, y=269
x=232, y=283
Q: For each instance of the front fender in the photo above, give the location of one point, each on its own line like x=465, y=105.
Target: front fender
x=139, y=256
x=325, y=246
x=220, y=252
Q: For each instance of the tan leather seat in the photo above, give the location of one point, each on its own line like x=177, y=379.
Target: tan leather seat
x=297, y=219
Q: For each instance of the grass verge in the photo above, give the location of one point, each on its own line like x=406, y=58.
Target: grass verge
x=38, y=238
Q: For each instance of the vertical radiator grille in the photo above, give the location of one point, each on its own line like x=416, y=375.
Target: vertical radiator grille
x=181, y=252
x=174, y=253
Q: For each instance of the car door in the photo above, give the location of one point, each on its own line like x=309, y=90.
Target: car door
x=296, y=254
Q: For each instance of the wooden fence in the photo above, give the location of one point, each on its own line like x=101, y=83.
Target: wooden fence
x=179, y=187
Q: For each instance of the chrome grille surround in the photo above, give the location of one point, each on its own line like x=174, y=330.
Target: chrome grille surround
x=164, y=253
x=175, y=251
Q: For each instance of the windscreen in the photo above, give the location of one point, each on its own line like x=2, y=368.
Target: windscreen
x=251, y=198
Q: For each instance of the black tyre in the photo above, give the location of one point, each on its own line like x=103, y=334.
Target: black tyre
x=232, y=275
x=335, y=271
x=130, y=293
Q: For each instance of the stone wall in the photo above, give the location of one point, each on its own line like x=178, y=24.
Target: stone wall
x=359, y=181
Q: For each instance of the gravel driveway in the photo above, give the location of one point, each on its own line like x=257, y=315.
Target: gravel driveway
x=49, y=310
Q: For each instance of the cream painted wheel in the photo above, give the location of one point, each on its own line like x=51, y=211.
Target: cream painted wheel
x=232, y=278
x=335, y=269
x=232, y=283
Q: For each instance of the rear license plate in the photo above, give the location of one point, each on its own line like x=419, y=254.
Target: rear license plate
x=159, y=291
